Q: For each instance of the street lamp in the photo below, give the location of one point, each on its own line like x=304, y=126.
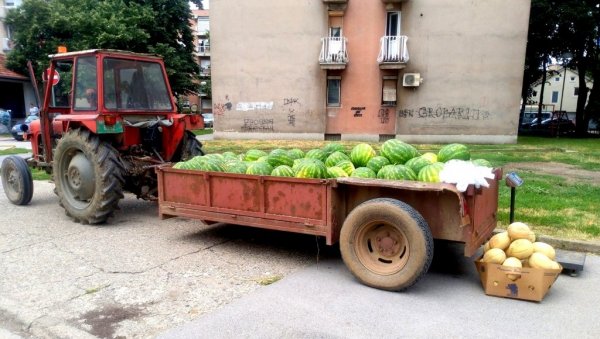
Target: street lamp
x=564, y=57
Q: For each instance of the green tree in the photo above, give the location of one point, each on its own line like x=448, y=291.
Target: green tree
x=145, y=26
x=569, y=27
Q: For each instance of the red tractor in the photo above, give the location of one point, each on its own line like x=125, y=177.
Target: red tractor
x=107, y=120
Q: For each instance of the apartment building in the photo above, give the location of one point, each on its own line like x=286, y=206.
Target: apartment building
x=200, y=25
x=418, y=70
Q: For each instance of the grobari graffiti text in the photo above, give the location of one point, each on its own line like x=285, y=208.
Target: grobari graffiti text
x=445, y=113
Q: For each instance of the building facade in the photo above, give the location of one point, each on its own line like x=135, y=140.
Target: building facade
x=200, y=25
x=418, y=70
x=561, y=91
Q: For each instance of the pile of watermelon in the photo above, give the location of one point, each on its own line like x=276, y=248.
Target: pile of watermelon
x=396, y=160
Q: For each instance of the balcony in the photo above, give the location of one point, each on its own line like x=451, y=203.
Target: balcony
x=334, y=54
x=203, y=50
x=393, y=53
x=336, y=5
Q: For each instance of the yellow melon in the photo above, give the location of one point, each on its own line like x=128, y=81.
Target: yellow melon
x=540, y=260
x=544, y=248
x=500, y=240
x=520, y=248
x=494, y=256
x=519, y=230
x=513, y=262
x=486, y=246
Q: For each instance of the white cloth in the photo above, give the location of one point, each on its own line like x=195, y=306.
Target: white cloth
x=465, y=173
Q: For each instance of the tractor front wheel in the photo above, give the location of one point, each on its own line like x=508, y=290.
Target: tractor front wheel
x=88, y=175
x=16, y=180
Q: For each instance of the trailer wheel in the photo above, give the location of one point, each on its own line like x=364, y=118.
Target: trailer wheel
x=88, y=175
x=386, y=244
x=16, y=180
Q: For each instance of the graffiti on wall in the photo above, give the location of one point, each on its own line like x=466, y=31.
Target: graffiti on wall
x=257, y=125
x=290, y=105
x=357, y=111
x=384, y=115
x=445, y=113
x=252, y=106
x=219, y=108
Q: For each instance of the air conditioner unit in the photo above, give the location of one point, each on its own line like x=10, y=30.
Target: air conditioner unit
x=411, y=79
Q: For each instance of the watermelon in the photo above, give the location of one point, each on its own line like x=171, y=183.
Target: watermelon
x=361, y=154
x=278, y=151
x=182, y=165
x=335, y=157
x=229, y=156
x=376, y=163
x=389, y=172
x=363, y=172
x=313, y=168
x=430, y=156
x=419, y=162
x=454, y=151
x=336, y=172
x=346, y=165
x=278, y=159
x=235, y=166
x=298, y=162
x=259, y=168
x=406, y=173
x=398, y=152
x=482, y=162
x=254, y=154
x=431, y=173
x=316, y=154
x=207, y=165
x=283, y=171
x=333, y=147
x=295, y=153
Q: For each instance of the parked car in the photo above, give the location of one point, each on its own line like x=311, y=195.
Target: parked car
x=208, y=120
x=531, y=117
x=18, y=129
x=554, y=126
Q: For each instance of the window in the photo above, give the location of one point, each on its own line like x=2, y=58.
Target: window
x=388, y=97
x=554, y=97
x=334, y=91
x=534, y=93
x=61, y=91
x=572, y=78
x=557, y=79
x=335, y=32
x=135, y=85
x=86, y=89
x=393, y=24
x=576, y=91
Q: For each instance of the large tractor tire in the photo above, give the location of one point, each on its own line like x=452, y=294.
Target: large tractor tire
x=386, y=244
x=88, y=175
x=16, y=180
x=189, y=148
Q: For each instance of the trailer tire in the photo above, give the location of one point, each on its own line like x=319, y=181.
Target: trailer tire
x=16, y=180
x=386, y=244
x=88, y=175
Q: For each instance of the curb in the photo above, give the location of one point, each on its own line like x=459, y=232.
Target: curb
x=572, y=245
x=566, y=244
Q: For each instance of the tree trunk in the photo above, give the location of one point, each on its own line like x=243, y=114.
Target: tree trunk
x=541, y=103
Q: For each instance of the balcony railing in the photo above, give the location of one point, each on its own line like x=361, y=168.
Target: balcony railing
x=204, y=50
x=393, y=51
x=334, y=54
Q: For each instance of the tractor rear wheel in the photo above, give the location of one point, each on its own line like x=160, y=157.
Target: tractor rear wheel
x=88, y=175
x=190, y=147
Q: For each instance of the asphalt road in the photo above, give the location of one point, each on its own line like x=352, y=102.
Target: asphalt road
x=142, y=277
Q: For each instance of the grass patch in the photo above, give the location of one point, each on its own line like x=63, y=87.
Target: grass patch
x=14, y=150
x=268, y=280
x=203, y=131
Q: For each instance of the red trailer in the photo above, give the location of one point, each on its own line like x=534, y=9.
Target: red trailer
x=385, y=228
